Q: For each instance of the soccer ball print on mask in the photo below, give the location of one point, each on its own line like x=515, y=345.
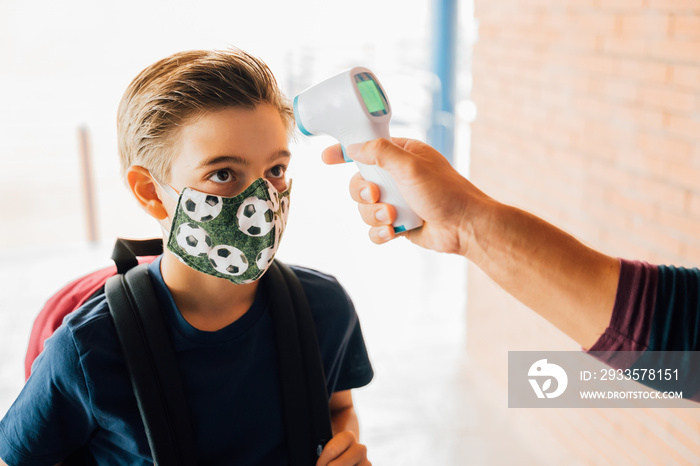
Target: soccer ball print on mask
x=230, y=237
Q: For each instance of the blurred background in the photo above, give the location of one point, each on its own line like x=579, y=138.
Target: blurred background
x=588, y=115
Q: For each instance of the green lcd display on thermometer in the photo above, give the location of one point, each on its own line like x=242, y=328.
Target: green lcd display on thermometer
x=371, y=95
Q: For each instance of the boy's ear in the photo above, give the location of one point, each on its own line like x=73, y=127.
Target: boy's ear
x=145, y=191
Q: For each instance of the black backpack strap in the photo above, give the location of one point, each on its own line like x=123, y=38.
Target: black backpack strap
x=302, y=379
x=153, y=369
x=321, y=429
x=126, y=251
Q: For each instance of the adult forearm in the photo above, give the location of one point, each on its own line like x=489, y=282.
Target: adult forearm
x=548, y=270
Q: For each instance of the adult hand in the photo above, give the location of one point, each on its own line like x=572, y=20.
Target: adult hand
x=344, y=450
x=444, y=199
x=548, y=270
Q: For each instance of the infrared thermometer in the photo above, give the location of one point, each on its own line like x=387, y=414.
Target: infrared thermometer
x=353, y=108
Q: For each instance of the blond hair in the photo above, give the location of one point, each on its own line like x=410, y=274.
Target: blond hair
x=176, y=90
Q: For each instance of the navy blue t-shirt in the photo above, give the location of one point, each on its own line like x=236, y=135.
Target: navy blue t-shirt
x=79, y=392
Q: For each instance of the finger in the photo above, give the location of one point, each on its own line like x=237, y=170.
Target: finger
x=382, y=234
x=379, y=151
x=355, y=455
x=376, y=215
x=335, y=447
x=402, y=142
x=333, y=155
x=363, y=191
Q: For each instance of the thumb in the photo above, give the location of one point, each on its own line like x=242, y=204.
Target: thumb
x=381, y=152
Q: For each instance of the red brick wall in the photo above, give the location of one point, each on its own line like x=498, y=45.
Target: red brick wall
x=589, y=116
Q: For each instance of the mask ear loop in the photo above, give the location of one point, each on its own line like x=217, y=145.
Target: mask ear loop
x=174, y=195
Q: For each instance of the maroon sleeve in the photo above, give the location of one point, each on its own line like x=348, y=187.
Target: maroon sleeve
x=630, y=324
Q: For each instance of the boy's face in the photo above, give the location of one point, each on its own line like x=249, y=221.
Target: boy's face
x=223, y=152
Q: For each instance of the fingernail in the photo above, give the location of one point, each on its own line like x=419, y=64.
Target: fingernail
x=382, y=216
x=384, y=233
x=366, y=195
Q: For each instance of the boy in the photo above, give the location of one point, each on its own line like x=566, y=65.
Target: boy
x=213, y=127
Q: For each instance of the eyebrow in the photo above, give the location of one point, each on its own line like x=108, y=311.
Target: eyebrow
x=237, y=159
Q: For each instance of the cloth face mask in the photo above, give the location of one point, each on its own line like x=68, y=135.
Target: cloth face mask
x=229, y=237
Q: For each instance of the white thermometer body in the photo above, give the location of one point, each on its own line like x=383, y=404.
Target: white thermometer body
x=353, y=108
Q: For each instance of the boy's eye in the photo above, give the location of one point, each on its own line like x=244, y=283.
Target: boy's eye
x=277, y=171
x=222, y=176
